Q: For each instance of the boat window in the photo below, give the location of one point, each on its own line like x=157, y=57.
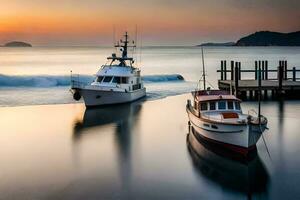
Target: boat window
x=124, y=80
x=107, y=79
x=230, y=104
x=222, y=105
x=214, y=126
x=212, y=105
x=99, y=79
x=237, y=105
x=117, y=80
x=203, y=106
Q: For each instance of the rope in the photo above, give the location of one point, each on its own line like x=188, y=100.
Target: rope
x=262, y=134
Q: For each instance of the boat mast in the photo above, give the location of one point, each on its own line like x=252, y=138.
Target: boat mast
x=123, y=47
x=203, y=70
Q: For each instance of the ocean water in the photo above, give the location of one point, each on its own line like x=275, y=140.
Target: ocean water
x=60, y=150
x=139, y=151
x=39, y=75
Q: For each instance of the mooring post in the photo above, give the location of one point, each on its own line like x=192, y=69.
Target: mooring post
x=255, y=70
x=225, y=70
x=222, y=70
x=266, y=68
x=236, y=79
x=285, y=70
x=263, y=70
x=232, y=69
x=240, y=71
x=280, y=76
x=294, y=73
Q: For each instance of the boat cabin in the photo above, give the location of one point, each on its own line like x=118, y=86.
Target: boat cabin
x=122, y=77
x=217, y=104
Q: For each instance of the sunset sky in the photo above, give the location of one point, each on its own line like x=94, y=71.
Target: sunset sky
x=160, y=22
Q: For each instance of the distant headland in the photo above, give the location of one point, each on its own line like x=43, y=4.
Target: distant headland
x=217, y=44
x=268, y=38
x=264, y=38
x=17, y=44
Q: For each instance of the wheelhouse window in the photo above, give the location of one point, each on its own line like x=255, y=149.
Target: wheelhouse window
x=237, y=105
x=124, y=80
x=203, y=106
x=99, y=79
x=212, y=105
x=230, y=105
x=107, y=79
x=222, y=105
x=117, y=80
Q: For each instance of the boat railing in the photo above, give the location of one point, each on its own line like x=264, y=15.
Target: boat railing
x=75, y=81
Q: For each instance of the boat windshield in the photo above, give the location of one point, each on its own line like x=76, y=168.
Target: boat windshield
x=237, y=106
x=222, y=105
x=117, y=80
x=230, y=105
x=212, y=105
x=107, y=79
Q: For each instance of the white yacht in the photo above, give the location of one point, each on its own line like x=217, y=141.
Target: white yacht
x=117, y=82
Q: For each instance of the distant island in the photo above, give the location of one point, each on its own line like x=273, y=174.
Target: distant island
x=268, y=38
x=217, y=44
x=263, y=38
x=17, y=44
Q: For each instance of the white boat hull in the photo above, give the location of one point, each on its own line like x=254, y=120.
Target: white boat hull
x=93, y=97
x=240, y=137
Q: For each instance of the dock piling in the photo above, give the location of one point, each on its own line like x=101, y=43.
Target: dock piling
x=240, y=74
x=225, y=70
x=236, y=79
x=232, y=70
x=222, y=78
x=263, y=70
x=285, y=70
x=266, y=68
x=255, y=70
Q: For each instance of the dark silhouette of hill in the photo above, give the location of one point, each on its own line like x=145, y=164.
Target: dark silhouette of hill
x=17, y=44
x=268, y=38
x=217, y=44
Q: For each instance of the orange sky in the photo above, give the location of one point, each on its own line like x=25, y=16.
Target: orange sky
x=161, y=22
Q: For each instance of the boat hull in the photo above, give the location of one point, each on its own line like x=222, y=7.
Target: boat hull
x=240, y=138
x=94, y=98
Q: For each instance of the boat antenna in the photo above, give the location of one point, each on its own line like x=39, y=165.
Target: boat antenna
x=141, y=45
x=114, y=37
x=135, y=41
x=203, y=68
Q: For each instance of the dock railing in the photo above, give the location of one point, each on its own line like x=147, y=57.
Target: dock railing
x=278, y=80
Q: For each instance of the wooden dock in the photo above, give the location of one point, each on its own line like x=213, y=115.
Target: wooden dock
x=282, y=86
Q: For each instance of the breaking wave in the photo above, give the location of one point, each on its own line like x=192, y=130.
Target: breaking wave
x=55, y=81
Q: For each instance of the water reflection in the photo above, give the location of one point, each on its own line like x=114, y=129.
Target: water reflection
x=123, y=119
x=247, y=177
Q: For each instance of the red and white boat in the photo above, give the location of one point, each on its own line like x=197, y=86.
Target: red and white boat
x=217, y=116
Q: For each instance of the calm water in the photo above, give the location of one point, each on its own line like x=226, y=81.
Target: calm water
x=139, y=150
